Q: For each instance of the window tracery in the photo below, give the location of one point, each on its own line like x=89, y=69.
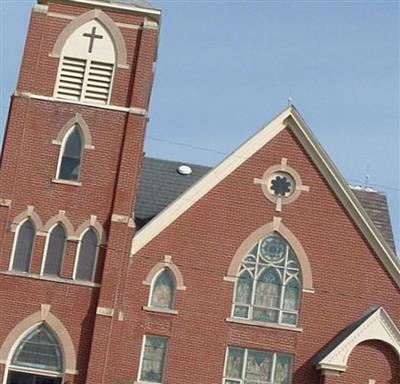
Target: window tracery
x=268, y=287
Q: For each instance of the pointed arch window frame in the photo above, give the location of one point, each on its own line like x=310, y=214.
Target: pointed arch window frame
x=62, y=137
x=78, y=253
x=151, y=277
x=120, y=61
x=276, y=226
x=152, y=289
x=44, y=316
x=46, y=249
x=27, y=369
x=109, y=25
x=17, y=239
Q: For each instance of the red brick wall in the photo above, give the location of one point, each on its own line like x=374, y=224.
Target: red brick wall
x=348, y=277
x=109, y=175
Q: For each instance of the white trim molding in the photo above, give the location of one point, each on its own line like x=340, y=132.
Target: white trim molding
x=288, y=119
x=375, y=326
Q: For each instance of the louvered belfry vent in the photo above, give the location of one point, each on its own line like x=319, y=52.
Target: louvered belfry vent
x=72, y=75
x=85, y=80
x=99, y=82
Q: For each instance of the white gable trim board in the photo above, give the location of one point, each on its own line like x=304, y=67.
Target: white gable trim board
x=288, y=118
x=378, y=326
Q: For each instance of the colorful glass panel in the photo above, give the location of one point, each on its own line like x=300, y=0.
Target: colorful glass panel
x=268, y=288
x=283, y=370
x=247, y=366
x=153, y=359
x=163, y=293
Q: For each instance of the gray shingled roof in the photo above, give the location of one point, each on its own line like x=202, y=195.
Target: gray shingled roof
x=375, y=204
x=161, y=184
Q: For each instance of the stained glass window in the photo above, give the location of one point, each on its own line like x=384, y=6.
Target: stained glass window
x=55, y=251
x=87, y=256
x=153, y=359
x=268, y=287
x=39, y=350
x=71, y=157
x=24, y=247
x=247, y=366
x=163, y=290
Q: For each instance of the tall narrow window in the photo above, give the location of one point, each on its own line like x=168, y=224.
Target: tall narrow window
x=55, y=251
x=71, y=156
x=25, y=238
x=163, y=290
x=38, y=358
x=87, y=255
x=268, y=287
x=153, y=359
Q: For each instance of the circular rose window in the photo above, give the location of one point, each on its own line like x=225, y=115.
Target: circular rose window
x=281, y=184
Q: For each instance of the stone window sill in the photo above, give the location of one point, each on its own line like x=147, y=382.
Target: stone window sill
x=265, y=325
x=161, y=310
x=55, y=279
x=67, y=182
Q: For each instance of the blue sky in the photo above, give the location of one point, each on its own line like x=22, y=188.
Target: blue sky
x=226, y=68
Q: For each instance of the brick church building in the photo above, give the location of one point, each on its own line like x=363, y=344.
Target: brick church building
x=116, y=268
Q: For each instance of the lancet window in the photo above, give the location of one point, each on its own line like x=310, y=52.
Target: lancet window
x=163, y=290
x=23, y=248
x=55, y=250
x=87, y=256
x=69, y=166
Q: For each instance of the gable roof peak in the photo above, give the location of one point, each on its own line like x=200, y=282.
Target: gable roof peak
x=288, y=118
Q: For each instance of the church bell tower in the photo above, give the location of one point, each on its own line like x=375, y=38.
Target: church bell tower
x=69, y=173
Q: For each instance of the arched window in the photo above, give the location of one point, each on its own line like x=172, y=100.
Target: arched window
x=268, y=288
x=163, y=290
x=70, y=161
x=55, y=251
x=87, y=256
x=24, y=241
x=37, y=359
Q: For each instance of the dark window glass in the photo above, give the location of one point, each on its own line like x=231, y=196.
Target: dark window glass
x=39, y=350
x=24, y=247
x=72, y=157
x=55, y=251
x=87, y=256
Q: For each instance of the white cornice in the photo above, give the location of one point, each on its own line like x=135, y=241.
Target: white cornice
x=156, y=13
x=377, y=326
